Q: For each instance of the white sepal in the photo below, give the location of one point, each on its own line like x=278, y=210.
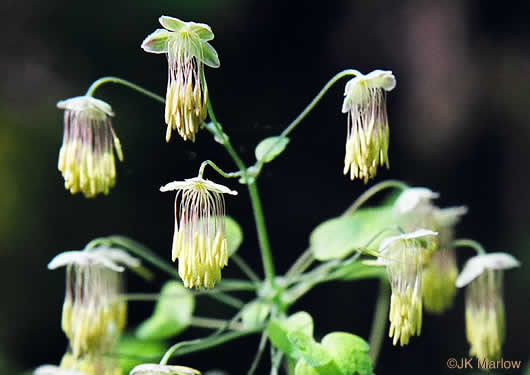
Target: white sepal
x=478, y=264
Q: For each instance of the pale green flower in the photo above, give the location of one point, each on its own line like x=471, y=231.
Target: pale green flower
x=485, y=323
x=368, y=132
x=187, y=49
x=93, y=315
x=440, y=267
x=439, y=276
x=403, y=257
x=199, y=241
x=86, y=158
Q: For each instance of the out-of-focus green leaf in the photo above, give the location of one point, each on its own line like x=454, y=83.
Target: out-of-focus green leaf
x=133, y=352
x=304, y=368
x=307, y=348
x=234, y=235
x=269, y=148
x=172, y=313
x=336, y=238
x=340, y=353
x=254, y=314
x=278, y=329
x=350, y=353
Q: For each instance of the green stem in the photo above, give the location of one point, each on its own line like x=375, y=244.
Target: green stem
x=214, y=323
x=310, y=106
x=186, y=347
x=217, y=169
x=314, y=102
x=263, y=239
x=380, y=320
x=245, y=268
x=276, y=361
x=259, y=354
x=301, y=264
x=227, y=300
x=372, y=191
x=120, y=81
x=469, y=243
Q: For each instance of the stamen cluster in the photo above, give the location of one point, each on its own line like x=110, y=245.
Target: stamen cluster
x=199, y=241
x=86, y=158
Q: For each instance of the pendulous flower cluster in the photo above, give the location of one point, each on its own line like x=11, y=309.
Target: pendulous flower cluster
x=199, y=241
x=187, y=49
x=368, y=132
x=94, y=314
x=403, y=257
x=414, y=209
x=485, y=324
x=86, y=158
x=420, y=262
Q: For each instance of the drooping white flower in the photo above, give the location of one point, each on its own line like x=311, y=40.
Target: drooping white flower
x=485, y=323
x=86, y=158
x=93, y=315
x=368, y=132
x=403, y=257
x=411, y=198
x=187, y=49
x=199, y=241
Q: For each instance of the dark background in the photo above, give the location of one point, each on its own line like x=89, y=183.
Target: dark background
x=459, y=124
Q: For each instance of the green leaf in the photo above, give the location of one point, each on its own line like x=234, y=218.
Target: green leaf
x=133, y=352
x=350, y=353
x=338, y=237
x=269, y=148
x=172, y=313
x=234, y=235
x=208, y=55
x=156, y=42
x=300, y=321
x=302, y=368
x=278, y=329
x=307, y=348
x=254, y=314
